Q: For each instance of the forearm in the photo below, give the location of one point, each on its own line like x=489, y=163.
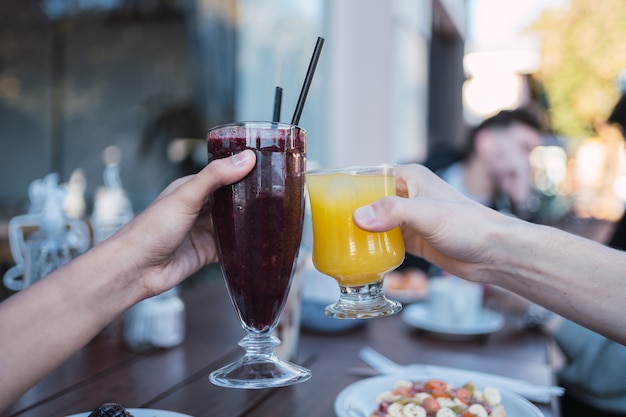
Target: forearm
x=572, y=276
x=39, y=327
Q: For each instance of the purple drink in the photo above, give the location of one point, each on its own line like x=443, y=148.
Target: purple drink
x=258, y=221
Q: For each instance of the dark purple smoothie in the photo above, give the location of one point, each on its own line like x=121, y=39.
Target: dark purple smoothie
x=258, y=221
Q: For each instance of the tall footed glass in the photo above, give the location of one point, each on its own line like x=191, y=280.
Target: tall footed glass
x=258, y=227
x=357, y=259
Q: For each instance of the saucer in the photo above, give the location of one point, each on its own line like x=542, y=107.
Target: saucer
x=419, y=316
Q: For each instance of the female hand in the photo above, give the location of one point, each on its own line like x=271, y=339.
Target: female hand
x=173, y=237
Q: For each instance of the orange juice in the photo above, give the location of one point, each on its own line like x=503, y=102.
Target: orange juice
x=340, y=248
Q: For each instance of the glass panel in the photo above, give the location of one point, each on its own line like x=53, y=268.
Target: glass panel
x=148, y=76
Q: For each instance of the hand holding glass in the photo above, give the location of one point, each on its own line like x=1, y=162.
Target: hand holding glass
x=357, y=259
x=258, y=228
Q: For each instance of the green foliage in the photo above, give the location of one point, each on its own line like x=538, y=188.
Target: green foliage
x=583, y=51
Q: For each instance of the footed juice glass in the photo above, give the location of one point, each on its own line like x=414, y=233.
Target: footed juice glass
x=258, y=227
x=357, y=259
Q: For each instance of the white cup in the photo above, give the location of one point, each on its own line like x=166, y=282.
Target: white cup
x=455, y=301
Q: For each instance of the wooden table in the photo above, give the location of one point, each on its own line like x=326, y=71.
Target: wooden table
x=176, y=379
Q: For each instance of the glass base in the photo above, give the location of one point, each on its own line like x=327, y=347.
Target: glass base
x=363, y=302
x=259, y=367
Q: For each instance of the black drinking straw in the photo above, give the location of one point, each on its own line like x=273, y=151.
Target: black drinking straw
x=278, y=99
x=307, y=81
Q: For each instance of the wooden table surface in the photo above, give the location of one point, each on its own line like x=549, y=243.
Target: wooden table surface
x=177, y=379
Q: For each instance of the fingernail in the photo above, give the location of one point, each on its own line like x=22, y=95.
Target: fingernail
x=365, y=214
x=241, y=158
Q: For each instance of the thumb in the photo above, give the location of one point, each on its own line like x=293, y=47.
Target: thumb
x=194, y=189
x=382, y=215
x=225, y=171
x=421, y=215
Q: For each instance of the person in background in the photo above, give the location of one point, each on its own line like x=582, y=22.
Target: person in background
x=41, y=326
x=494, y=166
x=593, y=366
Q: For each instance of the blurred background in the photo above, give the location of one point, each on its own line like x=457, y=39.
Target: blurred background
x=397, y=80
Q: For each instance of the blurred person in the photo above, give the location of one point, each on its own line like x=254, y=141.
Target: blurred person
x=494, y=167
x=594, y=366
x=44, y=324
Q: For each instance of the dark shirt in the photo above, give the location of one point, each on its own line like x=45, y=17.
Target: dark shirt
x=618, y=239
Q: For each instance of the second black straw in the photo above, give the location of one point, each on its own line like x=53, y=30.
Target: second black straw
x=278, y=99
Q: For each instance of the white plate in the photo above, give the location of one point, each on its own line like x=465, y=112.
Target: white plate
x=359, y=399
x=419, y=315
x=142, y=412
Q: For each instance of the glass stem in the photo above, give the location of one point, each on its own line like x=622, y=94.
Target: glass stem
x=259, y=344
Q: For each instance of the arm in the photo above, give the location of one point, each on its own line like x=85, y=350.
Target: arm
x=574, y=277
x=42, y=326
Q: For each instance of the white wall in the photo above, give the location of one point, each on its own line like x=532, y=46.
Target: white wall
x=376, y=74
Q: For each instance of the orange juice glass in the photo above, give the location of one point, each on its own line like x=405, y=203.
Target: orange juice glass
x=357, y=259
